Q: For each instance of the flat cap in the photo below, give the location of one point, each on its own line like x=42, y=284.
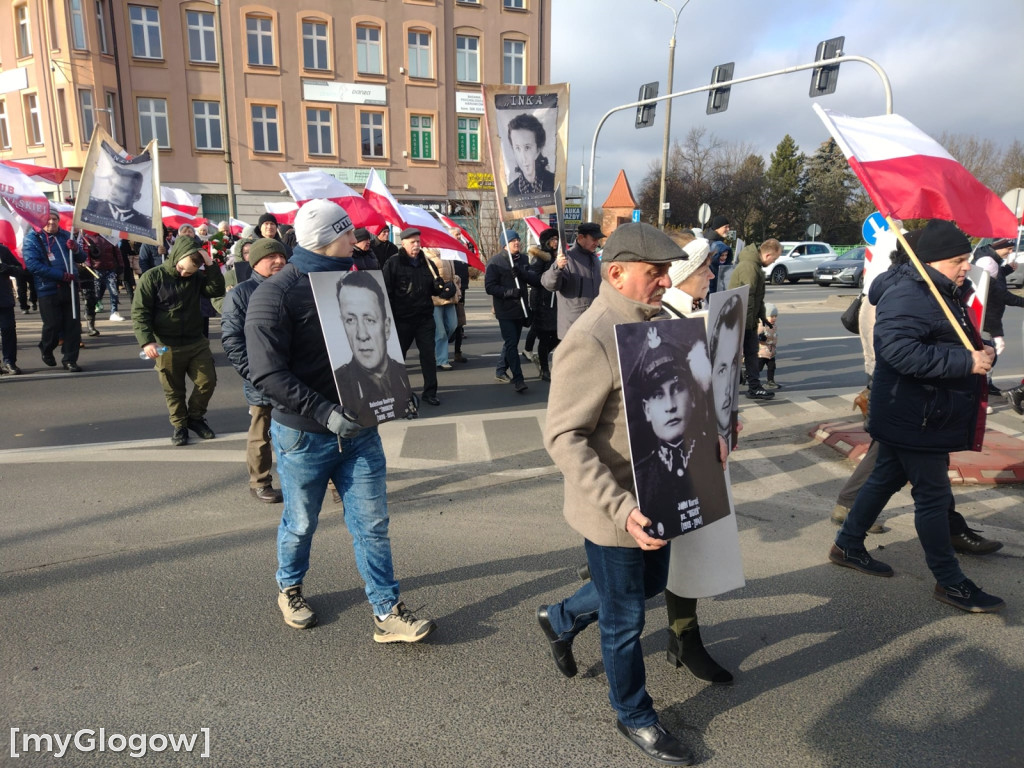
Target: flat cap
x=637, y=241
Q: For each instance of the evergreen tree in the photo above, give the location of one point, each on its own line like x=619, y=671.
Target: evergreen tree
x=830, y=190
x=784, y=199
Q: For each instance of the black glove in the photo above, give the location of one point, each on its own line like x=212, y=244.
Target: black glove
x=762, y=337
x=517, y=273
x=767, y=324
x=438, y=285
x=342, y=424
x=68, y=277
x=512, y=293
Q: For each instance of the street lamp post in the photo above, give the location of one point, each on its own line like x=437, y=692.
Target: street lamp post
x=668, y=109
x=224, y=110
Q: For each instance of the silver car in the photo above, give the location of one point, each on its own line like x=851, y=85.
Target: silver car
x=846, y=269
x=798, y=260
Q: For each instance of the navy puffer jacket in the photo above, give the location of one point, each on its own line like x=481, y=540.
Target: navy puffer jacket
x=923, y=394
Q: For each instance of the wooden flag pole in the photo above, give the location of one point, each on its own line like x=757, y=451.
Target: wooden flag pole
x=931, y=286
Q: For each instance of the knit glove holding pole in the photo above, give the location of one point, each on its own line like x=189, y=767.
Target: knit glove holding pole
x=343, y=425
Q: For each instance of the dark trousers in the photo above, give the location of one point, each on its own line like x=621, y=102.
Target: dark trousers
x=8, y=334
x=547, y=341
x=511, y=330
x=928, y=474
x=60, y=322
x=420, y=330
x=27, y=292
x=769, y=363
x=957, y=523
x=531, y=339
x=750, y=358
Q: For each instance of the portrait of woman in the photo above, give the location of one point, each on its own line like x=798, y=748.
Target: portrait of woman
x=527, y=139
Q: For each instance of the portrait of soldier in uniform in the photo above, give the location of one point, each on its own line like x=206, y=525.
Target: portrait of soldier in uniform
x=666, y=383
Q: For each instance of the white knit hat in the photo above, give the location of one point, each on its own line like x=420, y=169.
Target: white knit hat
x=696, y=252
x=319, y=223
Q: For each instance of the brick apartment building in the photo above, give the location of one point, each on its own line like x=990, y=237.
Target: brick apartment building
x=338, y=85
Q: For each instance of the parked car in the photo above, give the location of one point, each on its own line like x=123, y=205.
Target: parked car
x=798, y=260
x=846, y=269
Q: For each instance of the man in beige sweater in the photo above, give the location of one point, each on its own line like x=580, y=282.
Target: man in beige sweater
x=586, y=437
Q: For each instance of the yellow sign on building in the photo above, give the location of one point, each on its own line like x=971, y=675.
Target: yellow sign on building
x=479, y=181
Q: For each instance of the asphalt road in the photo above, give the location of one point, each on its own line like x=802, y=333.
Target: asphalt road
x=137, y=592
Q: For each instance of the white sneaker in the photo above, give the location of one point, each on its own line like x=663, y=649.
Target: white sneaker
x=115, y=318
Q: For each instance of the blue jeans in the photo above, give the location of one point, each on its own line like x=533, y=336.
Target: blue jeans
x=928, y=474
x=511, y=330
x=445, y=322
x=107, y=280
x=305, y=462
x=622, y=579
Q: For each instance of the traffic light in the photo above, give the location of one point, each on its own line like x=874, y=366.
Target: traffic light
x=823, y=79
x=718, y=98
x=645, y=112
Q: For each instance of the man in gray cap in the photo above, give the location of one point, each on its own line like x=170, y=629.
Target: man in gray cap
x=362, y=254
x=585, y=434
x=576, y=276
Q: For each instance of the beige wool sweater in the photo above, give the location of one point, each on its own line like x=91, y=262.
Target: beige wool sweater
x=585, y=431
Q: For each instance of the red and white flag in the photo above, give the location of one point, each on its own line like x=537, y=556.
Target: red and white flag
x=237, y=226
x=473, y=251
x=11, y=233
x=24, y=196
x=53, y=175
x=317, y=185
x=432, y=233
x=283, y=212
x=536, y=226
x=908, y=175
x=66, y=213
x=179, y=199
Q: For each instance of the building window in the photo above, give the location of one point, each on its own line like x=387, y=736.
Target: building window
x=145, y=32
x=5, y=132
x=88, y=114
x=259, y=32
x=371, y=128
x=51, y=9
x=368, y=59
x=318, y=131
x=111, y=103
x=62, y=107
x=517, y=4
x=77, y=25
x=264, y=129
x=514, y=69
x=101, y=27
x=314, y=45
x=153, y=122
x=24, y=33
x=419, y=54
x=206, y=122
x=467, y=59
x=421, y=137
x=469, y=139
x=202, y=46
x=33, y=126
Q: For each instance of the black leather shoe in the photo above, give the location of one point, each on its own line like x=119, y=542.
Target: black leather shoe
x=50, y=360
x=689, y=651
x=268, y=494
x=431, y=399
x=201, y=428
x=73, y=367
x=658, y=744
x=970, y=543
x=560, y=649
x=180, y=436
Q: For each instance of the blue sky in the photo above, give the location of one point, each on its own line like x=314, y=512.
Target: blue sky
x=954, y=66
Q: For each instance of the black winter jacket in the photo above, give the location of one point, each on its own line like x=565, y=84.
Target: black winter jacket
x=410, y=286
x=542, y=301
x=232, y=326
x=999, y=296
x=923, y=394
x=500, y=284
x=9, y=267
x=288, y=360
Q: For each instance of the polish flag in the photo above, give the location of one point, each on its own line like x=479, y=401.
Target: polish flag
x=24, y=196
x=432, y=233
x=908, y=175
x=66, y=213
x=473, y=251
x=536, y=226
x=174, y=217
x=283, y=212
x=53, y=175
x=11, y=233
x=179, y=200
x=236, y=226
x=978, y=297
x=317, y=185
